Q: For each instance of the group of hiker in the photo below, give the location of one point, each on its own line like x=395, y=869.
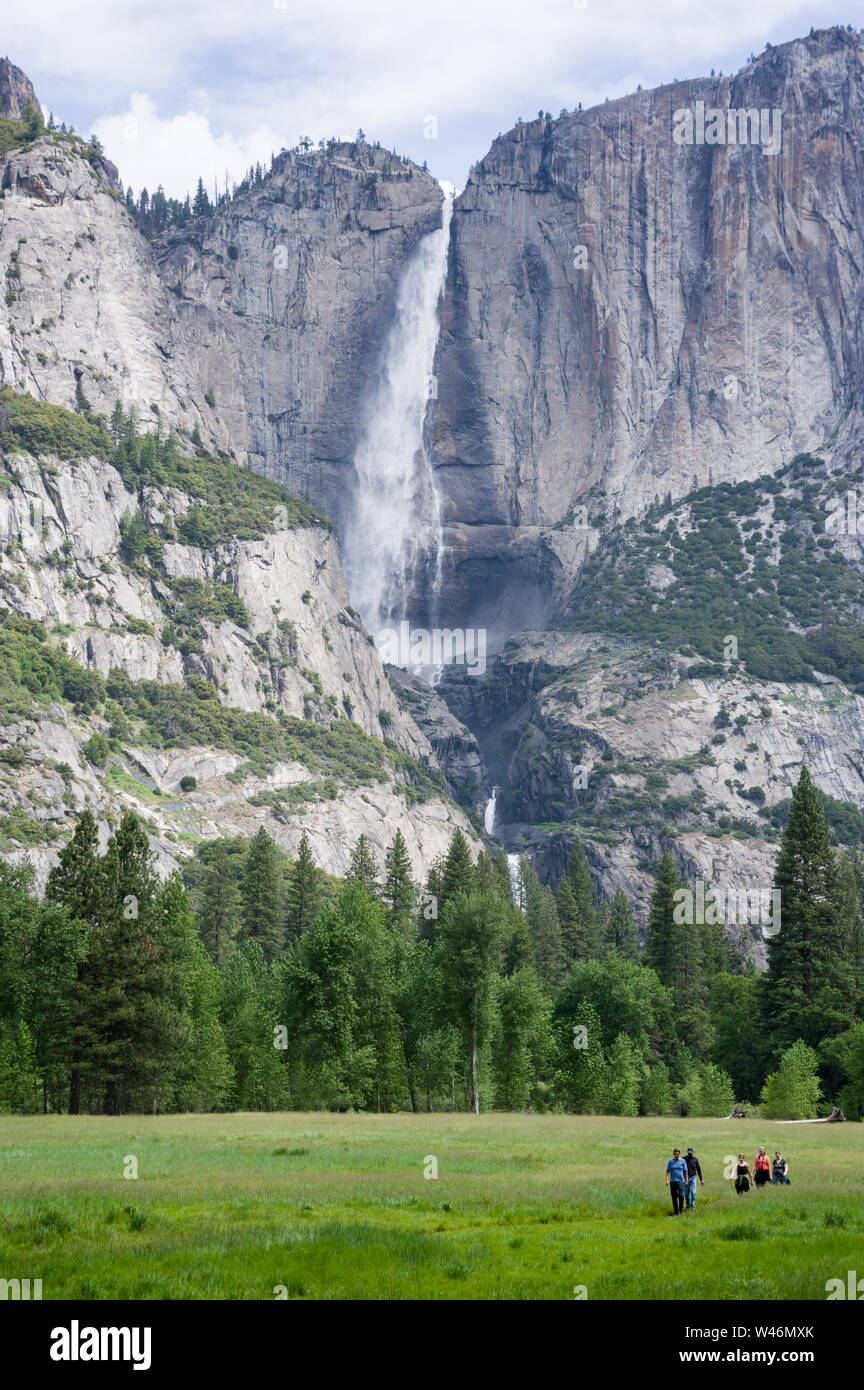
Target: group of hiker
x=682, y=1175
x=762, y=1172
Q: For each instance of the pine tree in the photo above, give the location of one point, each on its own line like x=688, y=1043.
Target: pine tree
x=262, y=915
x=303, y=898
x=220, y=906
x=399, y=894
x=852, y=919
x=76, y=884
x=458, y=875
x=809, y=986
x=121, y=1020
x=672, y=943
x=430, y=902
x=201, y=205
x=577, y=910
x=541, y=916
x=620, y=927
x=364, y=867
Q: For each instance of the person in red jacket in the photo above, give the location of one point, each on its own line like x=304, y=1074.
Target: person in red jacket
x=762, y=1167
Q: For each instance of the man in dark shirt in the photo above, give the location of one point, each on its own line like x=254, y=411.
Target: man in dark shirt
x=693, y=1172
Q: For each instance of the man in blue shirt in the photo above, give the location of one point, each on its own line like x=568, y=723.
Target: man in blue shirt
x=676, y=1180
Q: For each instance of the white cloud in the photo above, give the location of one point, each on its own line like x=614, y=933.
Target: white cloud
x=174, y=151
x=251, y=67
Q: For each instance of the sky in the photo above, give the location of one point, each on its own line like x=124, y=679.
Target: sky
x=209, y=87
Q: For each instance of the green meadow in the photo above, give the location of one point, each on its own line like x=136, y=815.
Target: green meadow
x=325, y=1206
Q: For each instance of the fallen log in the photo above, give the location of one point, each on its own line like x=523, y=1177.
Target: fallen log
x=835, y=1118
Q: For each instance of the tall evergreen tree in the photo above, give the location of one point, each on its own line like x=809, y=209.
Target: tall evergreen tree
x=76, y=883
x=809, y=987
x=430, y=902
x=262, y=917
x=220, y=906
x=673, y=944
x=458, y=873
x=201, y=205
x=364, y=867
x=399, y=894
x=620, y=927
x=541, y=916
x=303, y=898
x=581, y=930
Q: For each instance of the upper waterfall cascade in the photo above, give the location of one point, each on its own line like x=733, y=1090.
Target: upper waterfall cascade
x=394, y=538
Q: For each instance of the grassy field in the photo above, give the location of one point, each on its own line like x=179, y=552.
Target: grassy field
x=337, y=1206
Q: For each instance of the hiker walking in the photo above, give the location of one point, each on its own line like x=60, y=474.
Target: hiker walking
x=694, y=1171
x=761, y=1168
x=676, y=1180
x=779, y=1169
x=742, y=1175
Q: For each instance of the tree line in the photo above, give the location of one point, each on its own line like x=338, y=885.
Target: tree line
x=253, y=981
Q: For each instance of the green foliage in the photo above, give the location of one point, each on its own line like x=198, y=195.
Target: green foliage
x=35, y=427
x=810, y=986
x=171, y=719
x=230, y=501
x=303, y=895
x=726, y=578
x=711, y=1093
x=32, y=669
x=793, y=1091
x=96, y=749
x=19, y=134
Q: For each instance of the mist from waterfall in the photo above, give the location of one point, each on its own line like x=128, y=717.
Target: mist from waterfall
x=394, y=531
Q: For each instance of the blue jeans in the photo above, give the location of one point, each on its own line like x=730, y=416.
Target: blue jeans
x=690, y=1186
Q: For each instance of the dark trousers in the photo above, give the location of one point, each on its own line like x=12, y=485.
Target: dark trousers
x=677, y=1189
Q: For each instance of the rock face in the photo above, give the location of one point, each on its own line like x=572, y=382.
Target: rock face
x=627, y=316
x=455, y=746
x=16, y=90
x=299, y=651
x=611, y=740
x=286, y=295
x=86, y=313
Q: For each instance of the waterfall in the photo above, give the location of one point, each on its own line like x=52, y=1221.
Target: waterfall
x=395, y=524
x=515, y=878
x=489, y=817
